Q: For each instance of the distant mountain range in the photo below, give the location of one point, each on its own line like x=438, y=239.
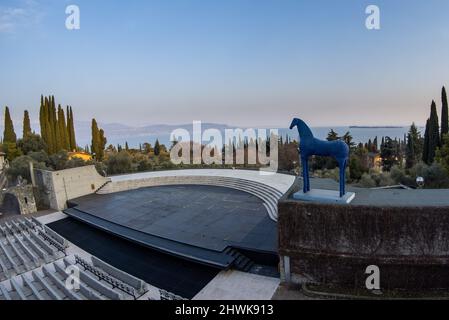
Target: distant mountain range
x=117, y=133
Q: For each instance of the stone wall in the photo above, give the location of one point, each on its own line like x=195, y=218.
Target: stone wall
x=56, y=187
x=334, y=244
x=20, y=196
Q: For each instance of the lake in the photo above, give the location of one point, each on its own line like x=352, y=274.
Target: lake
x=359, y=135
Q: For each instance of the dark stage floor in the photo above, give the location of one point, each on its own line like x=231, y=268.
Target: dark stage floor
x=206, y=217
x=195, y=222
x=164, y=271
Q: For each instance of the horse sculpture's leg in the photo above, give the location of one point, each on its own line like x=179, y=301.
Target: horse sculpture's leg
x=305, y=174
x=344, y=176
x=342, y=167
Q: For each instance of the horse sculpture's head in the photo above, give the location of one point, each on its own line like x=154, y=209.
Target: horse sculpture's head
x=295, y=123
x=303, y=130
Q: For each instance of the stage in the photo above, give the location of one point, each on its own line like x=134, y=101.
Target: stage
x=195, y=222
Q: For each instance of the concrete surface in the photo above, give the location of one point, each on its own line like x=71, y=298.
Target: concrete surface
x=324, y=196
x=236, y=285
x=388, y=197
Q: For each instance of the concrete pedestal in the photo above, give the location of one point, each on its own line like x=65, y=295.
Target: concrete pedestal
x=324, y=196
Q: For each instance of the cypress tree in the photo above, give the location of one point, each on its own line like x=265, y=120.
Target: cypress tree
x=388, y=153
x=51, y=128
x=444, y=114
x=410, y=151
x=98, y=141
x=63, y=129
x=434, y=133
x=51, y=123
x=48, y=134
x=69, y=133
x=102, y=144
x=425, y=154
x=157, y=148
x=47, y=125
x=42, y=122
x=369, y=145
x=47, y=119
x=95, y=138
x=8, y=134
x=71, y=128
x=413, y=147
x=54, y=126
x=58, y=136
x=26, y=125
x=375, y=145
x=50, y=142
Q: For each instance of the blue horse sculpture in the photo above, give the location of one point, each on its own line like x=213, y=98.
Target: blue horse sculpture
x=310, y=146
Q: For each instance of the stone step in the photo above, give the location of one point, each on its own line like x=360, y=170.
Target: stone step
x=241, y=262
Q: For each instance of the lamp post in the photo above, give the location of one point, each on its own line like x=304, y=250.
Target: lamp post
x=420, y=182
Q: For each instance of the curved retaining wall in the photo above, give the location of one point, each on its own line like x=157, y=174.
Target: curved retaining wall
x=57, y=187
x=266, y=193
x=334, y=244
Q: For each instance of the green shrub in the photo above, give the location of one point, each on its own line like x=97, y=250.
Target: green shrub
x=120, y=162
x=385, y=180
x=58, y=160
x=144, y=165
x=435, y=176
x=74, y=163
x=366, y=181
x=31, y=143
x=20, y=166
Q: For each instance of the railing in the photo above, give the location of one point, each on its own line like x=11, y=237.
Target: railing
x=52, y=241
x=101, y=187
x=166, y=295
x=106, y=277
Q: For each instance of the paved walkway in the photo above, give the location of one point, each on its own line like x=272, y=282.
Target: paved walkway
x=388, y=197
x=236, y=285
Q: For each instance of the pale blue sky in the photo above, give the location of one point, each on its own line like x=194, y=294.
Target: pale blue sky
x=240, y=62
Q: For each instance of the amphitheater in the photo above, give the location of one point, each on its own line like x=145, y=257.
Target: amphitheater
x=219, y=235
x=169, y=235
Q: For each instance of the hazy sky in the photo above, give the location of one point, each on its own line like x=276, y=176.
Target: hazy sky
x=240, y=62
